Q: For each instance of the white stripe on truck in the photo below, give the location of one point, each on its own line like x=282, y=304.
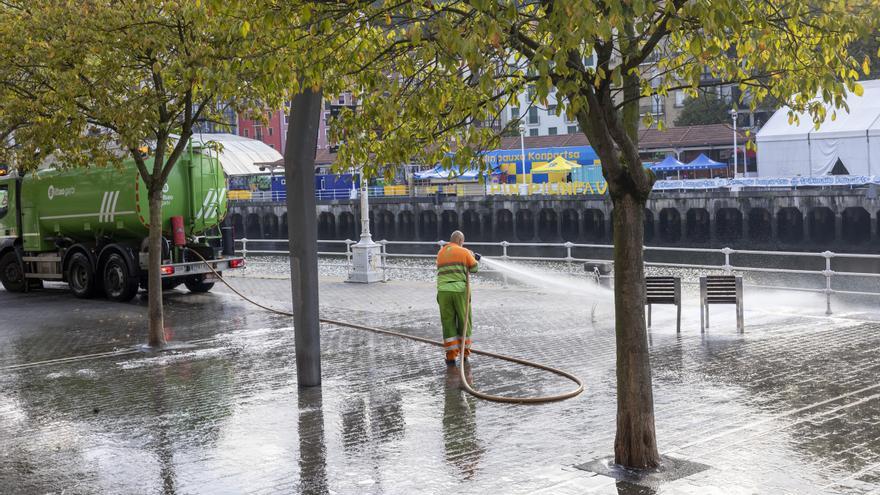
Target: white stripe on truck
x=103, y=205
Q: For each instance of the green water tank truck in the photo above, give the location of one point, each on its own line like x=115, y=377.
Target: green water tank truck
x=89, y=227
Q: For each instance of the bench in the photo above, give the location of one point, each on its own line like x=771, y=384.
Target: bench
x=720, y=289
x=663, y=290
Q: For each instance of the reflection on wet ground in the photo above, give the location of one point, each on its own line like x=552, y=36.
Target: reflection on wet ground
x=790, y=406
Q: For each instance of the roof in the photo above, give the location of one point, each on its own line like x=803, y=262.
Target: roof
x=240, y=155
x=696, y=136
x=863, y=118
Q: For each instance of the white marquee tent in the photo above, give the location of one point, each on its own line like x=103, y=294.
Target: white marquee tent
x=853, y=138
x=240, y=154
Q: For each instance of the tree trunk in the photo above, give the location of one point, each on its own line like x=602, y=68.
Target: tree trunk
x=635, y=445
x=154, y=277
x=299, y=164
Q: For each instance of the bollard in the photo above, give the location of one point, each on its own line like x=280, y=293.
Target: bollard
x=728, y=269
x=244, y=247
x=504, y=245
x=828, y=273
x=568, y=258
x=600, y=270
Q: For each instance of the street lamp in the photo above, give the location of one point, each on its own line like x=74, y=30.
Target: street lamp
x=733, y=115
x=522, y=147
x=366, y=259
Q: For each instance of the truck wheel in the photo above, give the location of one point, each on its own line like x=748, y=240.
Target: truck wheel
x=119, y=284
x=81, y=276
x=10, y=273
x=198, y=284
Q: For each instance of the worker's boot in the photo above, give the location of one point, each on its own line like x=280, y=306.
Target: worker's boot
x=450, y=362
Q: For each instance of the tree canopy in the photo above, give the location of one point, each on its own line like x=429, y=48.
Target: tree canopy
x=704, y=109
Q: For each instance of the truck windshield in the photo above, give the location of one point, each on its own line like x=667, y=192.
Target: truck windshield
x=4, y=200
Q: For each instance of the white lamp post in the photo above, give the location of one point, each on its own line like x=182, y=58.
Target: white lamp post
x=366, y=255
x=733, y=115
x=522, y=147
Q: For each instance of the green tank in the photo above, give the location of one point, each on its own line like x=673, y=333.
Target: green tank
x=88, y=227
x=82, y=204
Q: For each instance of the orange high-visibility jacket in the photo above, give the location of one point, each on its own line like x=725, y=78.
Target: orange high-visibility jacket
x=453, y=263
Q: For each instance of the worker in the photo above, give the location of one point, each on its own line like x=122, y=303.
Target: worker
x=454, y=262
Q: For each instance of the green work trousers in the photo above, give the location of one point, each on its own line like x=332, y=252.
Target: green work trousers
x=452, y=315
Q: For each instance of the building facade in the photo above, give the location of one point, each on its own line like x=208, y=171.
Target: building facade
x=272, y=131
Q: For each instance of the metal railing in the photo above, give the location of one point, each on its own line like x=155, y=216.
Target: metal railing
x=245, y=247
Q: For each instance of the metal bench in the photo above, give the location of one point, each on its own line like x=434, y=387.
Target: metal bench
x=663, y=290
x=720, y=289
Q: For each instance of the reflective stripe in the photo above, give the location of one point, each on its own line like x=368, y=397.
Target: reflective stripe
x=452, y=347
x=453, y=263
x=103, y=206
x=451, y=339
x=112, y=208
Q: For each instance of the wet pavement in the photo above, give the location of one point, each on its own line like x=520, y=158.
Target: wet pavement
x=790, y=406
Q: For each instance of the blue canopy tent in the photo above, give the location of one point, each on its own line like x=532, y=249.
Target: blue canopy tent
x=703, y=162
x=669, y=164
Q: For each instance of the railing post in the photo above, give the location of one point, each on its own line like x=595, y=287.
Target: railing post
x=348, y=243
x=383, y=257
x=504, y=245
x=728, y=269
x=244, y=247
x=568, y=258
x=828, y=274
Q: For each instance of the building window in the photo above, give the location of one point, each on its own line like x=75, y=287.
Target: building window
x=551, y=131
x=341, y=100
x=246, y=133
x=533, y=132
x=270, y=132
x=574, y=129
x=514, y=113
x=258, y=133
x=285, y=119
x=533, y=116
x=531, y=92
x=679, y=98
x=551, y=109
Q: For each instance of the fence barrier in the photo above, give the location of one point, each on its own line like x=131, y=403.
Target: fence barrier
x=246, y=247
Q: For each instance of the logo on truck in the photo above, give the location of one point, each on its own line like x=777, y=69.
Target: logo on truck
x=56, y=192
x=108, y=206
x=211, y=204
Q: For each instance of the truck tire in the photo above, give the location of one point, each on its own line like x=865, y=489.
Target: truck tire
x=119, y=284
x=81, y=276
x=10, y=273
x=198, y=284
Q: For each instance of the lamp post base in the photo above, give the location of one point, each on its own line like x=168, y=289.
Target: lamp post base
x=366, y=262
